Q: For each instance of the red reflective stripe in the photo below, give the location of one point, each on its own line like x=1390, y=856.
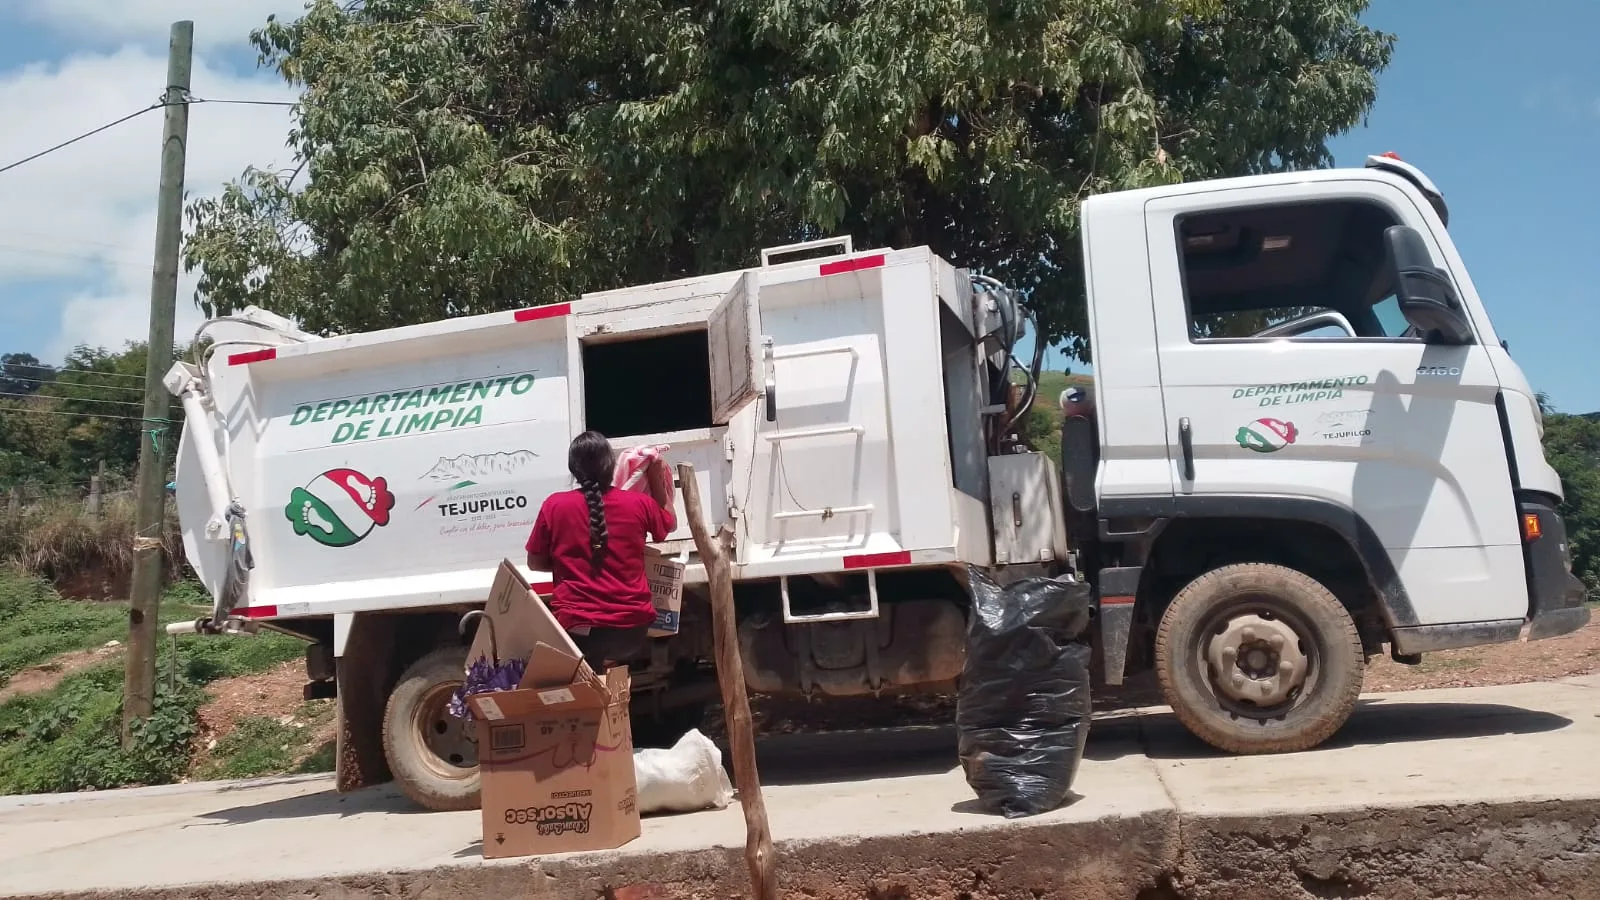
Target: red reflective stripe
x=240, y=359
x=260, y=612
x=875, y=560
x=543, y=312
x=852, y=265
x=1116, y=601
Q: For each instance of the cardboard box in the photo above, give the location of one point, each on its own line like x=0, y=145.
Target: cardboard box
x=520, y=622
x=557, y=762
x=665, y=575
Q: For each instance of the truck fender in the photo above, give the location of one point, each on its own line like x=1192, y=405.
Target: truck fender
x=1119, y=590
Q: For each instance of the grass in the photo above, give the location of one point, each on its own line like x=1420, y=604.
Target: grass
x=68, y=738
x=36, y=624
x=57, y=539
x=264, y=746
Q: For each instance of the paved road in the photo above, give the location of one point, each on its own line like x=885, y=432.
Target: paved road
x=1427, y=748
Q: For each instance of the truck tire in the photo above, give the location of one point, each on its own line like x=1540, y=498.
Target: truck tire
x=1257, y=658
x=432, y=754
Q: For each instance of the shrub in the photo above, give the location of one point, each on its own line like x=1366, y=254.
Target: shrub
x=58, y=539
x=70, y=739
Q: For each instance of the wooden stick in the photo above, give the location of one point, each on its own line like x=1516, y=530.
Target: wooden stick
x=758, y=853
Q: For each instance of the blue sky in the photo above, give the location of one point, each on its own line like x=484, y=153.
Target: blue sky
x=1501, y=108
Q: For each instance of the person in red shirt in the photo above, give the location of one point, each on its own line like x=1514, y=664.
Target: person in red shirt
x=592, y=541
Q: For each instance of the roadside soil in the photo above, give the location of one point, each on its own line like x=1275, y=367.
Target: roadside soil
x=274, y=694
x=46, y=675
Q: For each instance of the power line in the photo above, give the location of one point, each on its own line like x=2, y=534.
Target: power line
x=87, y=134
x=74, y=399
x=290, y=104
x=74, y=415
x=74, y=381
x=51, y=389
x=115, y=261
x=68, y=370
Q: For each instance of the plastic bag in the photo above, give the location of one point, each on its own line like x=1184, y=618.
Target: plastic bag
x=687, y=778
x=1023, y=712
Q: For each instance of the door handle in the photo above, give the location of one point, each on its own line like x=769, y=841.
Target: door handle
x=1186, y=440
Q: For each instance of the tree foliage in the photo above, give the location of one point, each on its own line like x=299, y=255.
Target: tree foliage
x=474, y=155
x=1572, y=447
x=89, y=411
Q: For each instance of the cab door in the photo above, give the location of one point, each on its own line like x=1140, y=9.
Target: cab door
x=1295, y=386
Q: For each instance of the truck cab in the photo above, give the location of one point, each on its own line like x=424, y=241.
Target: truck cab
x=1307, y=442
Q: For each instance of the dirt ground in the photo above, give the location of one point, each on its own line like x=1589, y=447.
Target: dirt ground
x=275, y=694
x=1563, y=657
x=46, y=675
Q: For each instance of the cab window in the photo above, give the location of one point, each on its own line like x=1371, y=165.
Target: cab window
x=1302, y=271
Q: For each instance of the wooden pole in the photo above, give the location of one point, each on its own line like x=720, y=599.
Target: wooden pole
x=758, y=853
x=144, y=607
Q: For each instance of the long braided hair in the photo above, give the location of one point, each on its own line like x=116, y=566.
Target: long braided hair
x=591, y=462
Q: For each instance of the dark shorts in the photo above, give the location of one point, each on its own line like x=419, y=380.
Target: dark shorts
x=602, y=645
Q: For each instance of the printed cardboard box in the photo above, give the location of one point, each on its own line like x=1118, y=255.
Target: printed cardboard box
x=665, y=575
x=520, y=620
x=557, y=763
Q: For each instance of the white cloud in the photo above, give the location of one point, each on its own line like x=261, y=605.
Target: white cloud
x=1563, y=98
x=216, y=22
x=82, y=220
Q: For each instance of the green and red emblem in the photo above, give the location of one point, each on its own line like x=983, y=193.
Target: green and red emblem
x=339, y=507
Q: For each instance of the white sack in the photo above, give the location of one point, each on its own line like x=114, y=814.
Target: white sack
x=687, y=778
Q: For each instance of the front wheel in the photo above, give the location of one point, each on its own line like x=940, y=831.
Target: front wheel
x=1257, y=658
x=432, y=754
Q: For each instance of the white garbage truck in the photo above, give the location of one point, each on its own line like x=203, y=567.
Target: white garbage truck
x=1304, y=446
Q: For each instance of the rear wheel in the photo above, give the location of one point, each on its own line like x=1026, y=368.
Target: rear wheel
x=432, y=754
x=1257, y=658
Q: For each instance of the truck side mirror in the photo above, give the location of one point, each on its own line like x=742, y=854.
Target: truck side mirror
x=1423, y=290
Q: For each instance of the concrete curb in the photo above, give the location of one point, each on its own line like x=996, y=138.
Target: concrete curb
x=1485, y=851
x=29, y=801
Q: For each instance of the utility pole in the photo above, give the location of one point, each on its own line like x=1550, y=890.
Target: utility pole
x=139, y=684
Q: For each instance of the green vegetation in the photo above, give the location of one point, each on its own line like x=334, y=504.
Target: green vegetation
x=479, y=155
x=267, y=746
x=35, y=624
x=66, y=738
x=1572, y=445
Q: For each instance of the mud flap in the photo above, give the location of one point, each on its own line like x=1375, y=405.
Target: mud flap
x=1118, y=589
x=364, y=676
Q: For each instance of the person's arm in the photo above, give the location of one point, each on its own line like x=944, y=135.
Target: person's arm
x=539, y=544
x=661, y=520
x=661, y=492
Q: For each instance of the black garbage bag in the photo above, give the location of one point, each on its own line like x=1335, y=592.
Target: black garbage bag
x=1023, y=712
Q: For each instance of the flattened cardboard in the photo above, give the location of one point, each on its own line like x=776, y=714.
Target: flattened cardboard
x=552, y=668
x=665, y=575
x=557, y=768
x=521, y=620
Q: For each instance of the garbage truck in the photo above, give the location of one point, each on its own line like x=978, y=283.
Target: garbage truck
x=1304, y=446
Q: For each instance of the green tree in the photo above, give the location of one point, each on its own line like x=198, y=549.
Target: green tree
x=89, y=411
x=1572, y=446
x=22, y=374
x=474, y=155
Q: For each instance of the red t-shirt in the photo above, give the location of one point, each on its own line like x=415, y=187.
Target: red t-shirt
x=616, y=595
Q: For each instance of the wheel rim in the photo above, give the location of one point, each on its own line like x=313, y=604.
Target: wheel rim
x=451, y=743
x=1258, y=659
